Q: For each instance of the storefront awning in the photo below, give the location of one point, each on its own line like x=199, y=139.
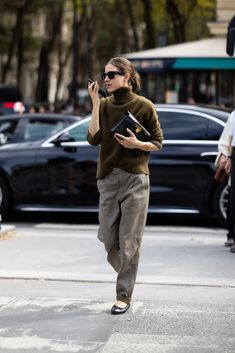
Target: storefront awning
x=161, y=65
x=204, y=64
x=152, y=65
x=204, y=48
x=205, y=54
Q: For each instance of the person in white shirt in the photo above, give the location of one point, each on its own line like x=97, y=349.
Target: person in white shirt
x=230, y=170
x=220, y=162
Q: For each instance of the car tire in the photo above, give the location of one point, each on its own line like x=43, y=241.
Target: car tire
x=5, y=200
x=221, y=202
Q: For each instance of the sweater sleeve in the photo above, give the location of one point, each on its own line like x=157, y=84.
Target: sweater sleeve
x=94, y=140
x=153, y=126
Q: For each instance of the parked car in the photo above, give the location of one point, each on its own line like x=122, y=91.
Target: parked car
x=10, y=96
x=58, y=174
x=32, y=127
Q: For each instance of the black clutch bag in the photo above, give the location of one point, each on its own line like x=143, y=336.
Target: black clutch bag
x=128, y=121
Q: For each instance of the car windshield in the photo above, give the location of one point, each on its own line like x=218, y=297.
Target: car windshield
x=79, y=133
x=38, y=130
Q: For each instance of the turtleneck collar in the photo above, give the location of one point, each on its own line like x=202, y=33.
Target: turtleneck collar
x=122, y=94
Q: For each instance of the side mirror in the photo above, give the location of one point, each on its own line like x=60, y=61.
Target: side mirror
x=63, y=138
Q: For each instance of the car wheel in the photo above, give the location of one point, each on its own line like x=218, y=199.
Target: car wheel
x=4, y=198
x=221, y=203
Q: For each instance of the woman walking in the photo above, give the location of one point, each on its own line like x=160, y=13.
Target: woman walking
x=123, y=174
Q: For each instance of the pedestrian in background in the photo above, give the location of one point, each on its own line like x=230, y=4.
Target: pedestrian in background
x=19, y=108
x=230, y=169
x=32, y=109
x=220, y=162
x=123, y=176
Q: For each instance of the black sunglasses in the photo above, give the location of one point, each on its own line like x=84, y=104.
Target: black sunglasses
x=111, y=74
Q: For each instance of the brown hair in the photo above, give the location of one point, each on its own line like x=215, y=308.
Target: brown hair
x=125, y=65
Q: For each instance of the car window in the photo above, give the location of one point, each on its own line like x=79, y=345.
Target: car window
x=7, y=130
x=39, y=129
x=79, y=133
x=182, y=126
x=214, y=130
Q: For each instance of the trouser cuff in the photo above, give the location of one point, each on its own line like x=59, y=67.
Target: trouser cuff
x=123, y=299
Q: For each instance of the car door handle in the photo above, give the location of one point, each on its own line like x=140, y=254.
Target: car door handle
x=206, y=154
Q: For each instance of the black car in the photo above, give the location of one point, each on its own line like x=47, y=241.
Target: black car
x=59, y=174
x=9, y=95
x=32, y=127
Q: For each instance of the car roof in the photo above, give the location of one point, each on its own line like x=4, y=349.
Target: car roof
x=212, y=110
x=42, y=116
x=216, y=111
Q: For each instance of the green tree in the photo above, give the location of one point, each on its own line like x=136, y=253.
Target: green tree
x=188, y=19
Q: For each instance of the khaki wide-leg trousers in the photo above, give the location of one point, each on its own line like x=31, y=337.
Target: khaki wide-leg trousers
x=124, y=199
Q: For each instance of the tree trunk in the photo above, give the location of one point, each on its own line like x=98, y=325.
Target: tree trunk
x=129, y=4
x=21, y=11
x=62, y=65
x=43, y=75
x=20, y=56
x=178, y=21
x=91, y=25
x=55, y=18
x=150, y=37
x=15, y=37
x=121, y=31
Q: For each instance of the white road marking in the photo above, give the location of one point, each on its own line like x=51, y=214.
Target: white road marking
x=40, y=303
x=35, y=342
x=140, y=343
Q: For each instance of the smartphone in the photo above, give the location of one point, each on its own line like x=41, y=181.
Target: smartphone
x=101, y=92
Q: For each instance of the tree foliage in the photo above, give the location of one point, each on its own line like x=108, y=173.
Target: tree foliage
x=105, y=28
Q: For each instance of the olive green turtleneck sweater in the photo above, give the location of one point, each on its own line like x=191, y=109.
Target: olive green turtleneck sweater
x=112, y=154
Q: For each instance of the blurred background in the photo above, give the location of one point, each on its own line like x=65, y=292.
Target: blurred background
x=49, y=48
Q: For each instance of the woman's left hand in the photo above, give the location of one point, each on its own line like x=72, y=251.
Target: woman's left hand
x=129, y=141
x=228, y=167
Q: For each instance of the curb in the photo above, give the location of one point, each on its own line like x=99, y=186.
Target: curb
x=7, y=231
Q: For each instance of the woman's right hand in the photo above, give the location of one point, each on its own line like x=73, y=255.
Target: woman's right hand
x=94, y=125
x=93, y=89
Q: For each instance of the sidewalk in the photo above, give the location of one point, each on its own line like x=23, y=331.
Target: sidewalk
x=169, y=255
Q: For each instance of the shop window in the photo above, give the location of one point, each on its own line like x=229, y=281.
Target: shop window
x=226, y=88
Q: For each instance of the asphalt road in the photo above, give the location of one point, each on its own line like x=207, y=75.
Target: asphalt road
x=57, y=291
